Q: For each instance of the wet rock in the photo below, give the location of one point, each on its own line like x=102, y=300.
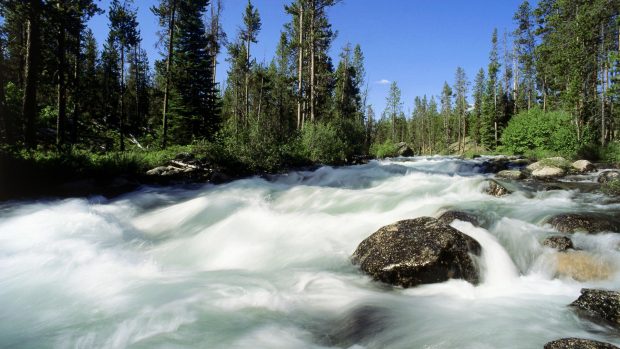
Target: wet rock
x=511, y=174
x=404, y=149
x=450, y=216
x=578, y=343
x=560, y=243
x=495, y=165
x=548, y=172
x=496, y=189
x=582, y=266
x=359, y=325
x=585, y=223
x=583, y=166
x=608, y=176
x=599, y=304
x=418, y=251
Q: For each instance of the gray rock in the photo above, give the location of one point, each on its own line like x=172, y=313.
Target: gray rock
x=496, y=189
x=578, y=343
x=548, y=172
x=585, y=223
x=599, y=304
x=404, y=149
x=560, y=243
x=418, y=251
x=608, y=176
x=511, y=174
x=450, y=216
x=583, y=166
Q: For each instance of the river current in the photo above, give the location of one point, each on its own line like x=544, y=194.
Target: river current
x=265, y=263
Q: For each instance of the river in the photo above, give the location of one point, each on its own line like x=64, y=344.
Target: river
x=265, y=263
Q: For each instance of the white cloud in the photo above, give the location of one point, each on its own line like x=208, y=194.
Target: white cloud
x=383, y=82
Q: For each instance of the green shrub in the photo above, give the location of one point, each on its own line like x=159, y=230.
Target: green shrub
x=384, y=150
x=552, y=133
x=321, y=143
x=611, y=188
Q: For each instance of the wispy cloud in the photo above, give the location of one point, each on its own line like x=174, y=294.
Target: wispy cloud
x=383, y=82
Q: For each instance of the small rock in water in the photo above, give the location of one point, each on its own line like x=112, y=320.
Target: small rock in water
x=600, y=304
x=608, y=176
x=583, y=166
x=418, y=251
x=560, y=243
x=450, y=216
x=578, y=343
x=582, y=266
x=496, y=189
x=511, y=174
x=585, y=223
x=361, y=324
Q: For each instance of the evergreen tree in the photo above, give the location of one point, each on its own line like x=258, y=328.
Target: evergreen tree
x=394, y=109
x=461, y=105
x=489, y=131
x=524, y=79
x=446, y=113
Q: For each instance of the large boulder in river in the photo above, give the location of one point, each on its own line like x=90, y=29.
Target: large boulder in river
x=578, y=343
x=558, y=242
x=585, y=223
x=497, y=189
x=608, y=176
x=450, y=216
x=599, y=304
x=583, y=166
x=418, y=251
x=548, y=172
x=511, y=174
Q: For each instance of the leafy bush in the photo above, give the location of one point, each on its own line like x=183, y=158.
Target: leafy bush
x=383, y=150
x=534, y=130
x=321, y=143
x=611, y=188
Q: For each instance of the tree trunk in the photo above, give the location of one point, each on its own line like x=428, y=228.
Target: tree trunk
x=247, y=79
x=168, y=66
x=312, y=60
x=31, y=73
x=76, y=87
x=121, y=117
x=61, y=118
x=300, y=67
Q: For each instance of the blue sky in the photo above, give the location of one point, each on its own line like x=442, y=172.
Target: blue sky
x=418, y=43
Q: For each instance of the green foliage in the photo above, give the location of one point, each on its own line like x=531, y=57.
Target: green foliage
x=321, y=143
x=536, y=130
x=611, y=188
x=383, y=150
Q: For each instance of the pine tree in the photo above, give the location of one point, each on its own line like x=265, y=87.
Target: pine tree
x=490, y=129
x=524, y=79
x=394, y=109
x=446, y=113
x=249, y=33
x=476, y=116
x=461, y=105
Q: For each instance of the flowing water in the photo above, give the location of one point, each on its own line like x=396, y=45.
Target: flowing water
x=264, y=263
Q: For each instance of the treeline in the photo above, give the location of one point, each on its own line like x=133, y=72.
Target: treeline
x=59, y=92
x=561, y=57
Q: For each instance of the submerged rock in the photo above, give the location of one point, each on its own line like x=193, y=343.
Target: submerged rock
x=560, y=243
x=418, y=251
x=582, y=266
x=511, y=174
x=578, y=343
x=583, y=166
x=600, y=304
x=496, y=189
x=450, y=216
x=358, y=326
x=585, y=223
x=608, y=176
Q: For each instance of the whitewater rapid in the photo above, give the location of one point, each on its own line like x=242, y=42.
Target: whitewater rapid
x=264, y=263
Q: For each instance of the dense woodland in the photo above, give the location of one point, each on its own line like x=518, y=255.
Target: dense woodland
x=551, y=85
